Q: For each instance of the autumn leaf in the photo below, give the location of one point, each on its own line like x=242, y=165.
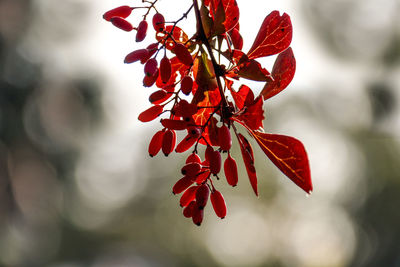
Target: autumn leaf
x=225, y=12
x=252, y=70
x=289, y=155
x=282, y=73
x=177, y=33
x=252, y=115
x=248, y=158
x=274, y=36
x=243, y=97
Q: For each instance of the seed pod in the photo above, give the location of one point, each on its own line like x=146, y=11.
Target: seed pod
x=158, y=22
x=224, y=138
x=188, y=196
x=150, y=68
x=151, y=49
x=215, y=162
x=174, y=124
x=183, y=54
x=185, y=144
x=202, y=194
x=181, y=185
x=165, y=69
x=188, y=210
x=158, y=97
x=208, y=154
x=150, y=113
x=148, y=81
x=156, y=143
x=169, y=141
x=185, y=110
x=198, y=215
x=122, y=11
x=191, y=169
x=121, y=24
x=141, y=31
x=218, y=203
x=186, y=85
x=194, y=132
x=231, y=172
x=202, y=176
x=193, y=158
x=136, y=55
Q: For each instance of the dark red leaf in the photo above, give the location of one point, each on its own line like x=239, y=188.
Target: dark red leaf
x=253, y=70
x=248, y=158
x=274, y=36
x=253, y=115
x=289, y=155
x=230, y=12
x=282, y=72
x=243, y=97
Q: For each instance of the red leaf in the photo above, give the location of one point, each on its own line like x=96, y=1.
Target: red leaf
x=289, y=155
x=177, y=33
x=230, y=12
x=282, y=72
x=274, y=36
x=243, y=97
x=253, y=115
x=248, y=158
x=252, y=70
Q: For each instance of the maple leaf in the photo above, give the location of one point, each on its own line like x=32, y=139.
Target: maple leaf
x=289, y=155
x=274, y=36
x=282, y=73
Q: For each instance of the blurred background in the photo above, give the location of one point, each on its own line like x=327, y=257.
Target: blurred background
x=78, y=189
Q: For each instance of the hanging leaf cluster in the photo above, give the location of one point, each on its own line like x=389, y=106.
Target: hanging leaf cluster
x=195, y=92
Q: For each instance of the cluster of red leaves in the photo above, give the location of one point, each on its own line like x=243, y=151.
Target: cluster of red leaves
x=196, y=94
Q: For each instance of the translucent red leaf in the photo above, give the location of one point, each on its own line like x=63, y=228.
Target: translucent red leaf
x=248, y=158
x=252, y=70
x=243, y=97
x=282, y=72
x=274, y=36
x=253, y=115
x=178, y=35
x=289, y=155
x=230, y=12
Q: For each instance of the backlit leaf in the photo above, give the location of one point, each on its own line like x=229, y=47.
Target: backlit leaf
x=274, y=36
x=248, y=158
x=253, y=115
x=289, y=155
x=243, y=97
x=252, y=70
x=282, y=73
